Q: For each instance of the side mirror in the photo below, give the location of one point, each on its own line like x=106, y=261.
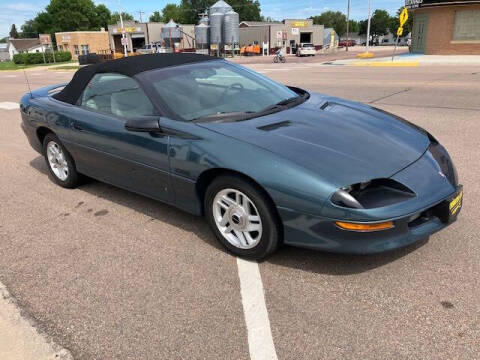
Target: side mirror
x=144, y=124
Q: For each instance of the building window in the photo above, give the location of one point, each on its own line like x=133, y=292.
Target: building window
x=85, y=49
x=77, y=52
x=467, y=25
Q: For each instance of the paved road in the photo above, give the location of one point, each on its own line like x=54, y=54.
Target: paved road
x=113, y=275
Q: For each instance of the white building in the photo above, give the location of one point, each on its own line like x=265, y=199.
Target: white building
x=17, y=46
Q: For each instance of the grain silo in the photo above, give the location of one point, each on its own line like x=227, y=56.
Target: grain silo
x=216, y=28
x=171, y=34
x=231, y=33
x=202, y=34
x=219, y=7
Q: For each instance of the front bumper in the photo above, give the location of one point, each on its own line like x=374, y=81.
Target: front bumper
x=321, y=233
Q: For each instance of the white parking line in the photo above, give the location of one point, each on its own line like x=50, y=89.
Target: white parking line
x=19, y=339
x=260, y=341
x=9, y=105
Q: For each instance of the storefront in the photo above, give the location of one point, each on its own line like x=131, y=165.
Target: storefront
x=83, y=42
x=287, y=34
x=445, y=27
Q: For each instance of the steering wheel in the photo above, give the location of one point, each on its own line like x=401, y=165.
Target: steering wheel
x=235, y=86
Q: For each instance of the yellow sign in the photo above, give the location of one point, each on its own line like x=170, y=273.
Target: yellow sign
x=299, y=23
x=400, y=31
x=403, y=17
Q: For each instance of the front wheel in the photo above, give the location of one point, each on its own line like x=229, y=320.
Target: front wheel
x=60, y=163
x=242, y=217
x=283, y=60
x=275, y=59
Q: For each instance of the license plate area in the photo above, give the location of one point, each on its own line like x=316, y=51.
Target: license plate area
x=449, y=209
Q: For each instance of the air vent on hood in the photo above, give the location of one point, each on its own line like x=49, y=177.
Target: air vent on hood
x=274, y=126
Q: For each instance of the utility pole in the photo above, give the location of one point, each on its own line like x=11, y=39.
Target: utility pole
x=141, y=13
x=124, y=38
x=348, y=23
x=368, y=26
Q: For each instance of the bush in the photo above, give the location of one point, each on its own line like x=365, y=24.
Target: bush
x=37, y=58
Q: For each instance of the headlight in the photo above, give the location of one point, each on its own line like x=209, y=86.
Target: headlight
x=372, y=194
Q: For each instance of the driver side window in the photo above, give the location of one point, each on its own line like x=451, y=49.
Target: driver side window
x=118, y=95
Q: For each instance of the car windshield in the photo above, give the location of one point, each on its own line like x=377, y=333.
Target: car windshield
x=308, y=45
x=215, y=89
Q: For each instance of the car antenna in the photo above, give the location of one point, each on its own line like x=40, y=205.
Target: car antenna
x=28, y=84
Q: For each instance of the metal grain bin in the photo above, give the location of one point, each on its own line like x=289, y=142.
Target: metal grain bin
x=216, y=28
x=204, y=20
x=170, y=31
x=231, y=33
x=202, y=35
x=219, y=7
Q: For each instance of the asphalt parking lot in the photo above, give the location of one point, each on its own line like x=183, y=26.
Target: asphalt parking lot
x=109, y=274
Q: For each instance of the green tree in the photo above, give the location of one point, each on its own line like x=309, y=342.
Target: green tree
x=332, y=19
x=381, y=22
x=29, y=29
x=172, y=11
x=3, y=40
x=353, y=26
x=103, y=16
x=115, y=18
x=156, y=17
x=14, y=32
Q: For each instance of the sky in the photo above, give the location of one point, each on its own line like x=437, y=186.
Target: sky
x=17, y=12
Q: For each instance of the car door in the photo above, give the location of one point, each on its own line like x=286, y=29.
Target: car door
x=105, y=150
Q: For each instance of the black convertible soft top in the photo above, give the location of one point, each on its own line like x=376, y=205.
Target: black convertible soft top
x=128, y=66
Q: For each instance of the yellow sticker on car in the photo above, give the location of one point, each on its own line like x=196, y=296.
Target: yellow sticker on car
x=456, y=203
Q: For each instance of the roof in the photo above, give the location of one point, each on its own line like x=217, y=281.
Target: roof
x=259, y=23
x=24, y=44
x=129, y=66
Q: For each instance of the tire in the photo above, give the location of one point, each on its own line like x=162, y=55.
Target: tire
x=222, y=203
x=275, y=60
x=283, y=60
x=65, y=174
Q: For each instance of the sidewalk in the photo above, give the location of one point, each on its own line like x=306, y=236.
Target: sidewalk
x=413, y=60
x=19, y=340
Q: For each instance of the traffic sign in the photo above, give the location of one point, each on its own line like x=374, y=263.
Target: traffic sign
x=400, y=31
x=403, y=16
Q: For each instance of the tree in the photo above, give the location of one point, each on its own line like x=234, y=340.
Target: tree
x=332, y=19
x=3, y=40
x=353, y=26
x=14, y=32
x=172, y=12
x=115, y=18
x=156, y=17
x=29, y=29
x=380, y=24
x=103, y=16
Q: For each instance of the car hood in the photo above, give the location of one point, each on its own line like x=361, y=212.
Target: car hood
x=341, y=141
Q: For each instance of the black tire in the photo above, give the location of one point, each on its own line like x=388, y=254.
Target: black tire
x=72, y=179
x=270, y=239
x=275, y=60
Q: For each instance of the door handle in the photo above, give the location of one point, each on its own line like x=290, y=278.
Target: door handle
x=77, y=126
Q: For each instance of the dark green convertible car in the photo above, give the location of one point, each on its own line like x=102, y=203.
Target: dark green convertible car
x=265, y=163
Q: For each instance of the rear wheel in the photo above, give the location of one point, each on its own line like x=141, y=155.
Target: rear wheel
x=242, y=217
x=60, y=163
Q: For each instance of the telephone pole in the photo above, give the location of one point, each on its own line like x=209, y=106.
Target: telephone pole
x=141, y=13
x=348, y=22
x=368, y=26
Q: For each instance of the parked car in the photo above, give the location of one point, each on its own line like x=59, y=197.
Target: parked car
x=265, y=163
x=306, y=49
x=343, y=43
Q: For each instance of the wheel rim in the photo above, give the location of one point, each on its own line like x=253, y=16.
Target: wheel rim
x=237, y=218
x=57, y=161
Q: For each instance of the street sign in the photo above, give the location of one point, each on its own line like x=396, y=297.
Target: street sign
x=403, y=17
x=124, y=41
x=400, y=31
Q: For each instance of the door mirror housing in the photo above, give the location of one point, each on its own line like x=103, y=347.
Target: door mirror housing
x=144, y=124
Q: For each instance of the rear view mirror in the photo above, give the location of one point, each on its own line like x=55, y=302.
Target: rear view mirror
x=144, y=124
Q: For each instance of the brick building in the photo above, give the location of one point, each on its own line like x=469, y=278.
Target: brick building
x=83, y=42
x=445, y=27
